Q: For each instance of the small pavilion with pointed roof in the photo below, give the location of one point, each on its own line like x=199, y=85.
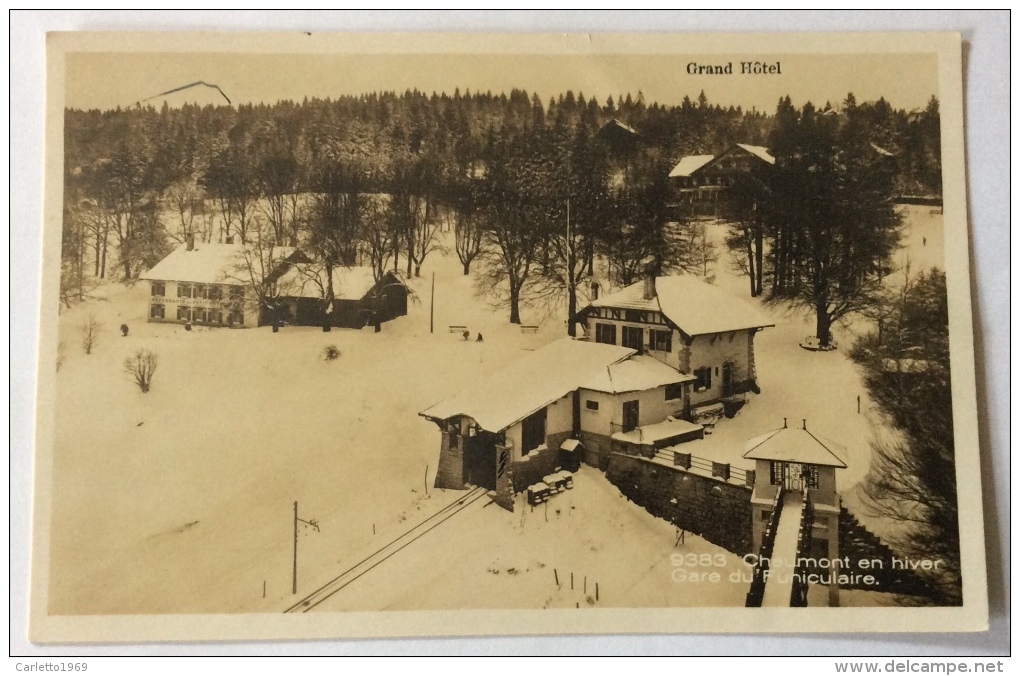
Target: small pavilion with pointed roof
x=801, y=465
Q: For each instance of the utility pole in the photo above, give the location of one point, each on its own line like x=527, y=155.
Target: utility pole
x=311, y=522
x=432, y=305
x=294, y=588
x=571, y=284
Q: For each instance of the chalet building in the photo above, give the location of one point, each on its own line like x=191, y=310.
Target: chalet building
x=688, y=325
x=513, y=428
x=622, y=143
x=206, y=284
x=700, y=180
x=359, y=300
x=795, y=473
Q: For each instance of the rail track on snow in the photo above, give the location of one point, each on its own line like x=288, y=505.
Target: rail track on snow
x=386, y=551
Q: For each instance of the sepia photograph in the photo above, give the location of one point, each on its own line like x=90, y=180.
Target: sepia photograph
x=534, y=335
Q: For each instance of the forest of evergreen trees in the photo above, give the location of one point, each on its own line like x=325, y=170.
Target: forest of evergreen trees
x=372, y=178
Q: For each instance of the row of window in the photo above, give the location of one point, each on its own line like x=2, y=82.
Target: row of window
x=206, y=291
x=634, y=337
x=197, y=315
x=636, y=316
x=711, y=181
x=778, y=471
x=673, y=392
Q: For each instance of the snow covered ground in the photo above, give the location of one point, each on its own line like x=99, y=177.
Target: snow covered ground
x=181, y=500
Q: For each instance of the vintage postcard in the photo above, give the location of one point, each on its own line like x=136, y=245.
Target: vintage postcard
x=417, y=335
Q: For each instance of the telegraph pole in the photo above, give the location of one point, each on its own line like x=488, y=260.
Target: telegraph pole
x=294, y=588
x=571, y=282
x=432, y=305
x=297, y=521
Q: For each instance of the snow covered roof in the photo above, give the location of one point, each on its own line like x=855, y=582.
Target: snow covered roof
x=881, y=151
x=615, y=122
x=308, y=280
x=531, y=383
x=758, y=151
x=629, y=297
x=207, y=263
x=787, y=444
x=638, y=373
x=650, y=434
x=690, y=164
x=696, y=307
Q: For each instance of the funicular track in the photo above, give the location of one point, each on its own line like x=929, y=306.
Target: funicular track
x=386, y=551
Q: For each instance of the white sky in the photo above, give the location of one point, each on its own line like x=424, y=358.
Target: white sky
x=105, y=80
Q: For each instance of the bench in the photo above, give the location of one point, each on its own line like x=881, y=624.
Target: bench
x=457, y=329
x=529, y=328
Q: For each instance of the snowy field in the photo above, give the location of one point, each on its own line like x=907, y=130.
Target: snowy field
x=181, y=500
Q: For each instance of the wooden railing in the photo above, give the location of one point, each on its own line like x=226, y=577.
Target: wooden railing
x=720, y=470
x=768, y=541
x=798, y=595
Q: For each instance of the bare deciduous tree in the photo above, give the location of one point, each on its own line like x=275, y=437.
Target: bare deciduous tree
x=89, y=333
x=141, y=368
x=378, y=237
x=469, y=233
x=912, y=480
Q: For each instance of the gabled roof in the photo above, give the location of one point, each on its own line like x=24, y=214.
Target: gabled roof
x=529, y=384
x=636, y=374
x=696, y=307
x=308, y=280
x=207, y=263
x=629, y=297
x=615, y=122
x=760, y=152
x=690, y=164
x=787, y=444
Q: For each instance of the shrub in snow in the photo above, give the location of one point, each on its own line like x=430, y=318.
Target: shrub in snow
x=124, y=330
x=331, y=353
x=141, y=368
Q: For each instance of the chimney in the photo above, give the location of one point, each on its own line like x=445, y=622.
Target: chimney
x=594, y=290
x=649, y=290
x=190, y=239
x=784, y=423
x=803, y=421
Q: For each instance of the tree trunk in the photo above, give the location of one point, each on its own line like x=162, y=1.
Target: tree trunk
x=106, y=246
x=467, y=267
x=417, y=270
x=759, y=253
x=822, y=325
x=750, y=267
x=515, y=305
